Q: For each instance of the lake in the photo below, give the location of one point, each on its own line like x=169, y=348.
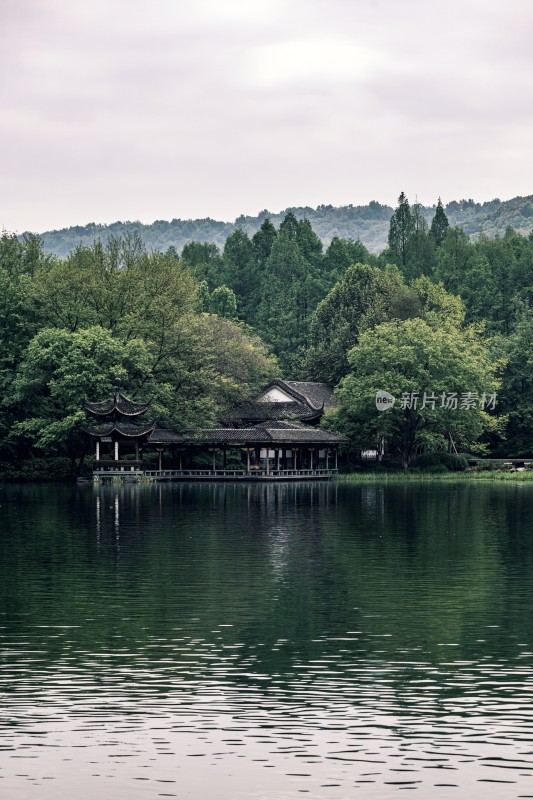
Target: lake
x=266, y=641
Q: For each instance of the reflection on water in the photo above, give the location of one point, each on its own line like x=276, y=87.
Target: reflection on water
x=249, y=641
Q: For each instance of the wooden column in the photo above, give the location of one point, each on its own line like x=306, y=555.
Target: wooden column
x=311, y=450
x=277, y=458
x=97, y=450
x=327, y=457
x=214, y=459
x=225, y=459
x=248, y=459
x=336, y=454
x=116, y=451
x=136, y=450
x=160, y=458
x=267, y=460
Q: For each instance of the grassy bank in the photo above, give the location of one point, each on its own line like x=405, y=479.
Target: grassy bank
x=394, y=476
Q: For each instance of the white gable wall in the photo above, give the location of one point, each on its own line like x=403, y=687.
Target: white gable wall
x=275, y=395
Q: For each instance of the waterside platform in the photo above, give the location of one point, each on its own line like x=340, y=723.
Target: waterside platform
x=133, y=475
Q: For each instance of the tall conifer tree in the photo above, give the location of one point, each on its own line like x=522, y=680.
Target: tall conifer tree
x=401, y=231
x=439, y=224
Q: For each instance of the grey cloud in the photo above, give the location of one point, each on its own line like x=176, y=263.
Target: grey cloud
x=132, y=109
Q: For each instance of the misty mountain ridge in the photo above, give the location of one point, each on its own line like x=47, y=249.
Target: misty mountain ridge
x=369, y=224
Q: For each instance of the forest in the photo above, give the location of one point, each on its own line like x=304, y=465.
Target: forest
x=433, y=316
x=369, y=223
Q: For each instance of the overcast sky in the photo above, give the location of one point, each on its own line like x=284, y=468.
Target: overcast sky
x=129, y=109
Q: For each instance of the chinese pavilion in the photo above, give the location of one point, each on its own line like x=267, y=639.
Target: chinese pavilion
x=274, y=436
x=118, y=427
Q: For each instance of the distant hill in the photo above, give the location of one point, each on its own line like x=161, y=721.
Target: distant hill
x=368, y=223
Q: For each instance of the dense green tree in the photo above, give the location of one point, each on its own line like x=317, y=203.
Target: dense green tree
x=223, y=303
x=479, y=289
x=365, y=296
x=120, y=287
x=421, y=366
x=521, y=258
x=172, y=252
x=421, y=248
x=439, y=224
x=69, y=292
x=309, y=243
x=494, y=276
x=401, y=231
x=289, y=226
x=20, y=315
x=116, y=310
x=262, y=242
x=288, y=294
x=196, y=253
x=451, y=259
x=59, y=372
x=500, y=254
x=302, y=233
x=439, y=308
x=515, y=398
x=341, y=254
x=209, y=364
x=240, y=271
x=239, y=364
x=337, y=259
x=22, y=256
x=205, y=262
x=19, y=307
x=204, y=297
x=213, y=364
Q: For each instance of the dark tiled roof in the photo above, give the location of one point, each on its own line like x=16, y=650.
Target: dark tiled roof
x=259, y=410
x=304, y=436
x=166, y=436
x=209, y=436
x=118, y=404
x=279, y=424
x=127, y=429
x=308, y=403
x=317, y=395
x=258, y=435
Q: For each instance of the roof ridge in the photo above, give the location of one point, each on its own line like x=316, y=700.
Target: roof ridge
x=293, y=391
x=118, y=402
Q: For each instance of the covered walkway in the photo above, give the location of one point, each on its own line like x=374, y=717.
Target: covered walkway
x=288, y=451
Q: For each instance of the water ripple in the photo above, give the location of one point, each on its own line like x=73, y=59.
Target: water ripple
x=262, y=644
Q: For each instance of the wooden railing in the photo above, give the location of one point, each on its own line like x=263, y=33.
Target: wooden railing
x=117, y=466
x=109, y=469
x=253, y=474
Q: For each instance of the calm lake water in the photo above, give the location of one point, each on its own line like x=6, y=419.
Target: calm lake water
x=234, y=641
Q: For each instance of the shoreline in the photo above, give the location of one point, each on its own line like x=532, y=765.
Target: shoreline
x=428, y=477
